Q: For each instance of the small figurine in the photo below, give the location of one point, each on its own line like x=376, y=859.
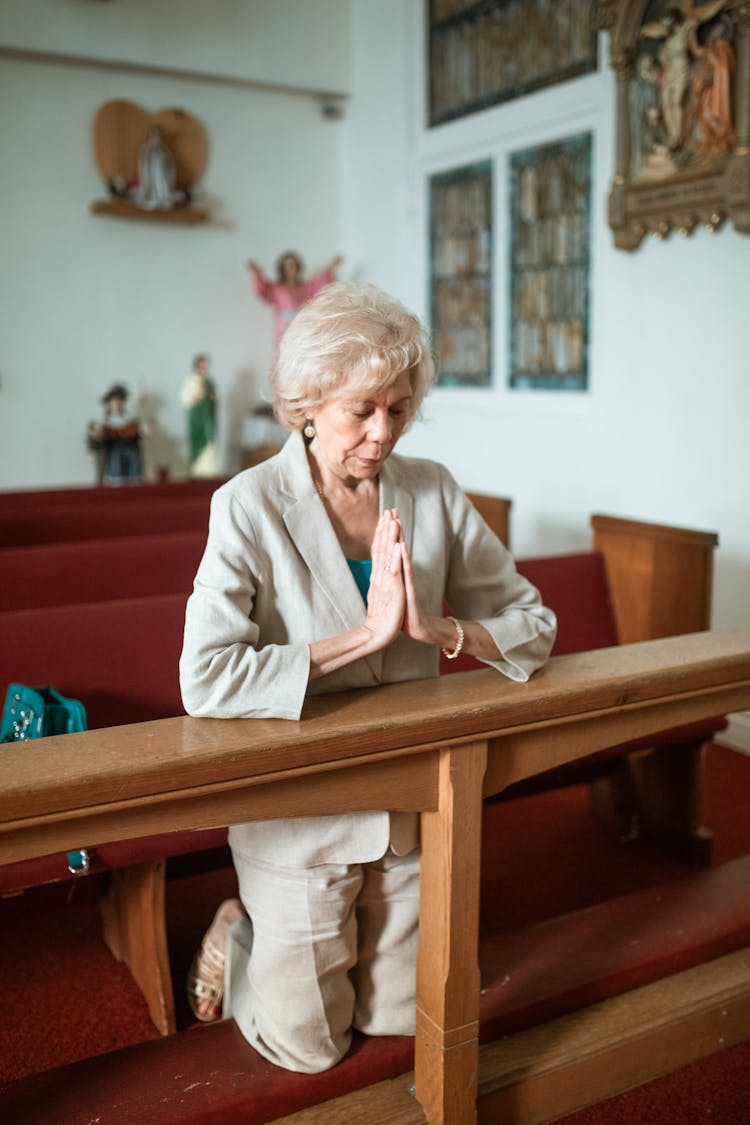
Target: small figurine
x=199, y=398
x=290, y=291
x=157, y=175
x=116, y=441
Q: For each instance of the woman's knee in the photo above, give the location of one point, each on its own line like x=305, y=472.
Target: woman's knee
x=289, y=1047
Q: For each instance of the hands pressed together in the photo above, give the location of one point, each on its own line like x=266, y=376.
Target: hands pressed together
x=392, y=603
x=393, y=608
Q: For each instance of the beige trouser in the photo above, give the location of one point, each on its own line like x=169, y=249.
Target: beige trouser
x=326, y=949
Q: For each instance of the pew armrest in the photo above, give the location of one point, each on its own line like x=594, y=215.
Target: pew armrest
x=660, y=577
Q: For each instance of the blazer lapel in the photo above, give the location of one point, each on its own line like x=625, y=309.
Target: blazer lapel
x=308, y=524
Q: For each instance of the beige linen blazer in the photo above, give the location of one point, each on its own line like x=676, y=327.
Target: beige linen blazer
x=273, y=579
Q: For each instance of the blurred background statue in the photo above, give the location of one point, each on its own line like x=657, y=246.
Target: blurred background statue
x=157, y=175
x=199, y=398
x=712, y=88
x=678, y=29
x=116, y=440
x=289, y=292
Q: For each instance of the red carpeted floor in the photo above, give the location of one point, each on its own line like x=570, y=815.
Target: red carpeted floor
x=714, y=1091
x=66, y=998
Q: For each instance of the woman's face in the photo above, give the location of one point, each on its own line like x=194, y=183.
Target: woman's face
x=354, y=435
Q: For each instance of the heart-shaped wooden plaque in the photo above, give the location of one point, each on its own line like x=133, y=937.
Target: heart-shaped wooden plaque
x=121, y=127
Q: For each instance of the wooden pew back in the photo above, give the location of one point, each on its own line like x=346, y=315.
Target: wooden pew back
x=576, y=587
x=93, y=570
x=66, y=522
x=660, y=577
x=118, y=657
x=19, y=500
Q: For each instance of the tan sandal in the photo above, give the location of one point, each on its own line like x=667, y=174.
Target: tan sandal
x=205, y=982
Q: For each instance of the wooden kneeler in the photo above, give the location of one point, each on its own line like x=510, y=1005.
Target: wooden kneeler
x=134, y=929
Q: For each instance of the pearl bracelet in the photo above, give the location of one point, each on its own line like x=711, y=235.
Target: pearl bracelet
x=459, y=641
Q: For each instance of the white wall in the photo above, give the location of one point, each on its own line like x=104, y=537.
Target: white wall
x=662, y=434
x=88, y=300
x=283, y=42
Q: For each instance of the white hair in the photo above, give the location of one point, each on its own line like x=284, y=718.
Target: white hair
x=351, y=337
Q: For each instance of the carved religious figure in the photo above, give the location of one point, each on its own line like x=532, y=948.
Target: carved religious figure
x=157, y=174
x=683, y=91
x=712, y=89
x=682, y=153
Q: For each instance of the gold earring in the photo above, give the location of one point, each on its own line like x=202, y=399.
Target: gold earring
x=309, y=431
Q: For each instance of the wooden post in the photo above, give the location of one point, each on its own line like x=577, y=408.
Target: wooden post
x=447, y=1033
x=134, y=929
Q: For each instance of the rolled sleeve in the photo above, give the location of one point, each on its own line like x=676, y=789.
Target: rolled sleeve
x=484, y=586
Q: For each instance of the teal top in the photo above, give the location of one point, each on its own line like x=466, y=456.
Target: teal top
x=362, y=571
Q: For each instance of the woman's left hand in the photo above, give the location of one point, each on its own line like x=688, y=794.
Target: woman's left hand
x=442, y=631
x=418, y=625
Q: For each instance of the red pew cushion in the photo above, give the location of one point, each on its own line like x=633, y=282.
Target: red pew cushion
x=120, y=658
x=95, y=570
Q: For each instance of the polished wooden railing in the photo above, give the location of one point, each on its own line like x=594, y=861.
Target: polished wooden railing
x=435, y=747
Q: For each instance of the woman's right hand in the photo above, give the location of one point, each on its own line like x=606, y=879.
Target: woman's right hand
x=386, y=606
x=386, y=599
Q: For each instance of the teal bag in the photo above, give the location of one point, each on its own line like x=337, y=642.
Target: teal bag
x=39, y=712
x=36, y=713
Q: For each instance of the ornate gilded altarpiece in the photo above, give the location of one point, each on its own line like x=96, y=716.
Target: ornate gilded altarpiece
x=682, y=116
x=482, y=52
x=550, y=224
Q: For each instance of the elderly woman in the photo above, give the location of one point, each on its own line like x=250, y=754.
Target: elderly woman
x=327, y=567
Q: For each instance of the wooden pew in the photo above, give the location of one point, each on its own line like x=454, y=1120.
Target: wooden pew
x=66, y=522
x=661, y=582
x=495, y=511
x=120, y=657
x=661, y=577
x=638, y=581
x=436, y=747
x=151, y=561
x=28, y=519
x=99, y=570
x=19, y=500
x=646, y=788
